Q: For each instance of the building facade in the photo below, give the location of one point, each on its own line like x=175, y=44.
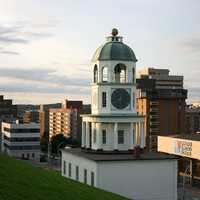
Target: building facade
x=21, y=140
x=161, y=99
x=8, y=111
x=44, y=119
x=186, y=147
x=63, y=121
x=192, y=119
x=114, y=130
x=31, y=116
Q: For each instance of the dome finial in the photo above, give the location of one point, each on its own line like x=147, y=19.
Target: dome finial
x=114, y=32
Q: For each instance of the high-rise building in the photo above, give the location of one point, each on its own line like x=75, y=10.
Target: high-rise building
x=8, y=111
x=21, y=140
x=161, y=99
x=44, y=118
x=31, y=116
x=64, y=121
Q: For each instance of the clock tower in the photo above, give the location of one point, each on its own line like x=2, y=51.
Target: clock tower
x=113, y=123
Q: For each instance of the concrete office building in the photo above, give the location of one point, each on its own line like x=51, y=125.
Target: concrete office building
x=114, y=129
x=161, y=99
x=21, y=140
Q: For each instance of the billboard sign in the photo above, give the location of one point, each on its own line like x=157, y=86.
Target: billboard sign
x=182, y=147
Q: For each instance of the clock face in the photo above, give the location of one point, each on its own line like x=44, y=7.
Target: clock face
x=120, y=98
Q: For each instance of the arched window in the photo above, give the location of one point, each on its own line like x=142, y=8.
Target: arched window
x=95, y=74
x=133, y=74
x=104, y=74
x=120, y=73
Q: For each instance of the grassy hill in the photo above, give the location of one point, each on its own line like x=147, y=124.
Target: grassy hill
x=21, y=181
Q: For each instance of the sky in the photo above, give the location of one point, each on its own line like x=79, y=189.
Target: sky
x=46, y=45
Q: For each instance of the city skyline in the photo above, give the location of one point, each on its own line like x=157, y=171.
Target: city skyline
x=46, y=47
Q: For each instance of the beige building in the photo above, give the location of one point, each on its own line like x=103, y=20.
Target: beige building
x=186, y=147
x=63, y=121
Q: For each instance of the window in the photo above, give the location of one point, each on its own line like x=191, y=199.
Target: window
x=133, y=74
x=64, y=167
x=104, y=136
x=92, y=178
x=103, y=99
x=95, y=74
x=77, y=173
x=120, y=73
x=120, y=137
x=105, y=74
x=70, y=170
x=85, y=176
x=94, y=136
x=33, y=155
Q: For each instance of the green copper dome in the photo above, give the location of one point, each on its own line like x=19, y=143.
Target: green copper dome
x=114, y=49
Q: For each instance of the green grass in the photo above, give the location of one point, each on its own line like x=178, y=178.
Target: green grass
x=22, y=181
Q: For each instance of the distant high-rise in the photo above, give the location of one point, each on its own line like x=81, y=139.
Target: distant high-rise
x=44, y=118
x=161, y=98
x=31, y=116
x=66, y=120
x=8, y=111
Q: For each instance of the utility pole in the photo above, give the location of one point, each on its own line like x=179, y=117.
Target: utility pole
x=49, y=154
x=185, y=173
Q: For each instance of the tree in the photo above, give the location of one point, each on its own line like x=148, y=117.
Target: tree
x=44, y=144
x=59, y=141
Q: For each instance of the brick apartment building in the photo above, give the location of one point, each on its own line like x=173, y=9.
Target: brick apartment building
x=161, y=99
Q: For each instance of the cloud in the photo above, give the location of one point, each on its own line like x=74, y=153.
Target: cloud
x=190, y=44
x=43, y=75
x=9, y=52
x=41, y=81
x=193, y=93
x=24, y=32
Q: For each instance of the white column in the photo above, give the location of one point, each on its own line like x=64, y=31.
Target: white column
x=83, y=135
x=115, y=136
x=142, y=135
x=92, y=134
x=131, y=136
x=137, y=134
x=87, y=135
x=99, y=142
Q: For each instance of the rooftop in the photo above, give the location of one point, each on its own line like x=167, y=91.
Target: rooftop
x=193, y=137
x=116, y=156
x=113, y=115
x=114, y=49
